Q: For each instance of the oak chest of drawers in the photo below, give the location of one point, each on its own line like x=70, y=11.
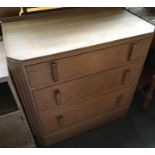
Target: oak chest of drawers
x=75, y=69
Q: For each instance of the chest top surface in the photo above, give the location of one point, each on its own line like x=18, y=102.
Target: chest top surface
x=3, y=63
x=52, y=33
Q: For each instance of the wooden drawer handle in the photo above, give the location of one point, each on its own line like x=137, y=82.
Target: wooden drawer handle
x=119, y=99
x=57, y=97
x=132, y=49
x=54, y=71
x=60, y=120
x=125, y=75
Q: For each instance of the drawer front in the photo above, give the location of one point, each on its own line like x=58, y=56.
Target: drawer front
x=85, y=126
x=73, y=115
x=93, y=62
x=75, y=91
x=13, y=132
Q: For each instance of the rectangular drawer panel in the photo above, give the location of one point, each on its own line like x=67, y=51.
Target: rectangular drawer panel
x=64, y=118
x=72, y=92
x=85, y=125
x=85, y=64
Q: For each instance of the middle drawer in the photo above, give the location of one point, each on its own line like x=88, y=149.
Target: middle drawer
x=75, y=91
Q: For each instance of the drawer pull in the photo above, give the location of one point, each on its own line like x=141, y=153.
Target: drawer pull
x=60, y=120
x=119, y=99
x=132, y=49
x=54, y=71
x=57, y=97
x=125, y=75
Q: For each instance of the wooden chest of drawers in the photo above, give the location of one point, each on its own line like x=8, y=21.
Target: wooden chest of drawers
x=77, y=70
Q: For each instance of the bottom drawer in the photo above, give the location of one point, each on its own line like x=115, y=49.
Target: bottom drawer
x=13, y=132
x=65, y=118
x=83, y=126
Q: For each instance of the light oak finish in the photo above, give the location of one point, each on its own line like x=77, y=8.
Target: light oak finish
x=75, y=69
x=62, y=70
x=85, y=126
x=60, y=119
x=72, y=92
x=79, y=27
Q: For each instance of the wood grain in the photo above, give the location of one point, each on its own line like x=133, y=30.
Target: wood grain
x=70, y=61
x=84, y=126
x=86, y=110
x=77, y=90
x=94, y=62
x=73, y=29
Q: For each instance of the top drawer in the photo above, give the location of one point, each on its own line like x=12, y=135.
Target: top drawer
x=88, y=63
